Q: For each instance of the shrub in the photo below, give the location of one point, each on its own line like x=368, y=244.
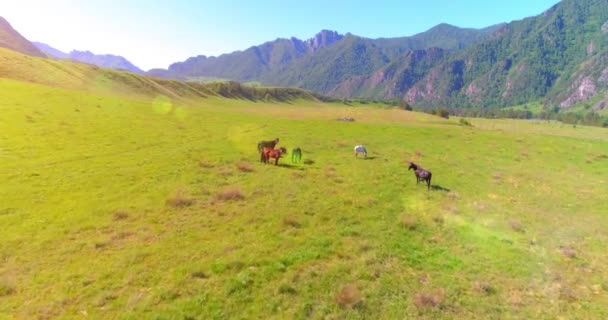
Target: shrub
x=465, y=122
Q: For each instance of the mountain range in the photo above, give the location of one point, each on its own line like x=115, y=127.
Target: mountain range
x=108, y=61
x=559, y=57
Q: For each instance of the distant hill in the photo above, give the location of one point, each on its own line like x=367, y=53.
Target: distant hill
x=101, y=60
x=50, y=51
x=70, y=75
x=11, y=39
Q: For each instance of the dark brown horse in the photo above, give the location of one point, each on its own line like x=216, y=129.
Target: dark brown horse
x=421, y=174
x=267, y=144
x=269, y=153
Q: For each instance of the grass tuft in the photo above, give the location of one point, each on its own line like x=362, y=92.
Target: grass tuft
x=485, y=288
x=232, y=194
x=292, y=222
x=409, y=222
x=120, y=215
x=199, y=275
x=428, y=300
x=245, y=167
x=287, y=289
x=180, y=199
x=349, y=296
x=7, y=287
x=569, y=252
x=517, y=227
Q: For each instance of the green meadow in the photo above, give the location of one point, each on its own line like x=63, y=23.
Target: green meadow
x=119, y=206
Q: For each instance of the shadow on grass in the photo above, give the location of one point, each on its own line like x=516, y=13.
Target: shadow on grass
x=291, y=166
x=371, y=158
x=437, y=187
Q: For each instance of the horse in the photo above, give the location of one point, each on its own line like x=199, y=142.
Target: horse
x=267, y=144
x=421, y=174
x=269, y=153
x=296, y=155
x=360, y=149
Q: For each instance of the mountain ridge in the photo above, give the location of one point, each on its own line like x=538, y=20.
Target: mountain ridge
x=13, y=40
x=101, y=60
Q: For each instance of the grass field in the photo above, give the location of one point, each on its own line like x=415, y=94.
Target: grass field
x=118, y=207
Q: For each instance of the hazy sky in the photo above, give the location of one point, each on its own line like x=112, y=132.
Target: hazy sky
x=156, y=33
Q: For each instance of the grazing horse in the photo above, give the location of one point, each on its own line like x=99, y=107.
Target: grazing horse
x=269, y=153
x=296, y=155
x=360, y=149
x=267, y=144
x=421, y=174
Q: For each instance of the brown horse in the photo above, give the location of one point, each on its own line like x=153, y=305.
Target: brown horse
x=269, y=153
x=421, y=174
x=267, y=144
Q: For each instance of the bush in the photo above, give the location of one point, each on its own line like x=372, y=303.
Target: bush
x=442, y=112
x=465, y=122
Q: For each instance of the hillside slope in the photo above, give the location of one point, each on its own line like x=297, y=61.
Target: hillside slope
x=559, y=55
x=71, y=75
x=13, y=40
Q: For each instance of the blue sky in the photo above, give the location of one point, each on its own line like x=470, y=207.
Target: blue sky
x=156, y=33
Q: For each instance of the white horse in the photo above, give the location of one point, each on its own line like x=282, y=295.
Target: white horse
x=360, y=149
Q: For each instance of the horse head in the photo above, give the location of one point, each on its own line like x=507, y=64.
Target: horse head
x=412, y=166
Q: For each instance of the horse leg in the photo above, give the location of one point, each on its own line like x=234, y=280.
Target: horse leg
x=276, y=162
x=428, y=184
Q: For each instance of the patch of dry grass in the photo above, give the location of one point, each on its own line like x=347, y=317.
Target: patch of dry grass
x=231, y=194
x=120, y=215
x=428, y=300
x=180, y=199
x=291, y=221
x=409, y=222
x=349, y=296
x=244, y=166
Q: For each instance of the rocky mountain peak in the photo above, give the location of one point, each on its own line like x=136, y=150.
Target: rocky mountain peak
x=323, y=39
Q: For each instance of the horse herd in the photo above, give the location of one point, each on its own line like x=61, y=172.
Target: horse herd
x=267, y=151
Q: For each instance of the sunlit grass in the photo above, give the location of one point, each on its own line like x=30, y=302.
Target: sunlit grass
x=142, y=207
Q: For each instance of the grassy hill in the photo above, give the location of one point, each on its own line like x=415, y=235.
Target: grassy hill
x=129, y=197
